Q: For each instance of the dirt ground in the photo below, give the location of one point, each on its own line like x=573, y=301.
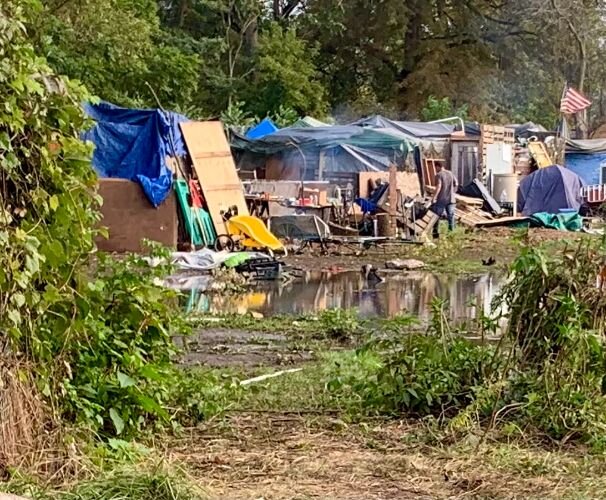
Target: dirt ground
x=240, y=349
x=291, y=457
x=462, y=251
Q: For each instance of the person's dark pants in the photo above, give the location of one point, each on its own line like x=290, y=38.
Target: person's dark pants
x=439, y=210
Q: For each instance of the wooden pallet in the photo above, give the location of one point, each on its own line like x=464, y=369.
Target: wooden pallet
x=471, y=217
x=422, y=227
x=492, y=134
x=538, y=151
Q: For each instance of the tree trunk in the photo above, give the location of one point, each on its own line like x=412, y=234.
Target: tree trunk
x=251, y=37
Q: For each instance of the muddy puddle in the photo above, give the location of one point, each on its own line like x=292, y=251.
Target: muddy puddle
x=412, y=292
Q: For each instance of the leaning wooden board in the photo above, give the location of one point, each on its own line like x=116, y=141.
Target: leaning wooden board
x=215, y=168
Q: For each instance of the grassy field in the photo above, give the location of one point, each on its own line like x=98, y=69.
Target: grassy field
x=316, y=432
x=290, y=438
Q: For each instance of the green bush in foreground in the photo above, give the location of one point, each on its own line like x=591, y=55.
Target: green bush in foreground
x=97, y=333
x=547, y=374
x=425, y=375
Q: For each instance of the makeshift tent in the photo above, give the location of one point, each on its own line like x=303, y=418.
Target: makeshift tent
x=587, y=159
x=528, y=129
x=321, y=152
x=134, y=144
x=307, y=122
x=419, y=130
x=550, y=190
x=264, y=128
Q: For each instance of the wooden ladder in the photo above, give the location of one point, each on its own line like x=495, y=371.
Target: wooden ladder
x=540, y=154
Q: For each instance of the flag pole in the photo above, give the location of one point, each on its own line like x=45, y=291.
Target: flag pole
x=561, y=144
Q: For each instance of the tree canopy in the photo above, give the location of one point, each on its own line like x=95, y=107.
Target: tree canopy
x=500, y=61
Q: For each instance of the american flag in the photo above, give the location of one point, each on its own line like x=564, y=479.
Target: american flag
x=573, y=102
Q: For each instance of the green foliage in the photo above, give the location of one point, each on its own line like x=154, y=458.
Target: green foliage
x=503, y=61
x=340, y=324
x=98, y=333
x=437, y=109
x=424, y=374
x=284, y=116
x=285, y=76
x=556, y=326
x=120, y=358
x=142, y=482
x=47, y=199
x=236, y=117
x=116, y=48
x=198, y=395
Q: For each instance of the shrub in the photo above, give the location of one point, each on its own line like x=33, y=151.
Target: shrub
x=424, y=374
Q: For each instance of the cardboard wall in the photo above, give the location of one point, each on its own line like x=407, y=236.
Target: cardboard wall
x=407, y=182
x=130, y=218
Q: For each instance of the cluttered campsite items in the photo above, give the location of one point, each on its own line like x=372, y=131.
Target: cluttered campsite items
x=246, y=232
x=363, y=184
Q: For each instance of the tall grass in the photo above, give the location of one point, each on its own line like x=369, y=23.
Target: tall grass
x=156, y=482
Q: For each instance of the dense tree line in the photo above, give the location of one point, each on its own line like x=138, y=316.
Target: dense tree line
x=502, y=61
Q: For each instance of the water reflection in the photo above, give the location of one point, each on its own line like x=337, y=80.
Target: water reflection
x=317, y=291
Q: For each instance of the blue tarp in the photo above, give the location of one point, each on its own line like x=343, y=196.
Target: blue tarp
x=587, y=166
x=550, y=190
x=586, y=158
x=264, y=128
x=134, y=143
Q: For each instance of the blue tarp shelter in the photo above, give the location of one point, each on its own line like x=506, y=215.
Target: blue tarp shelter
x=587, y=158
x=343, y=149
x=417, y=130
x=550, y=190
x=134, y=143
x=264, y=128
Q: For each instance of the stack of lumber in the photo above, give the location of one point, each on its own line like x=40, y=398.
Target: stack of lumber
x=471, y=217
x=469, y=210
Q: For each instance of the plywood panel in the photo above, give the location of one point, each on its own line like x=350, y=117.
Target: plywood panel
x=406, y=182
x=215, y=169
x=130, y=217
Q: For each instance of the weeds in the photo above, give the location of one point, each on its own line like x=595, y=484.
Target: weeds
x=340, y=324
x=143, y=482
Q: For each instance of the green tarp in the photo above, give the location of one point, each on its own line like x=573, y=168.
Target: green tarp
x=563, y=222
x=322, y=137
x=309, y=122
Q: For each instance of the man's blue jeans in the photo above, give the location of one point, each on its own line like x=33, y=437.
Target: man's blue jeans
x=439, y=210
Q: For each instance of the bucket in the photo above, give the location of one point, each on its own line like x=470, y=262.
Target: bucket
x=505, y=189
